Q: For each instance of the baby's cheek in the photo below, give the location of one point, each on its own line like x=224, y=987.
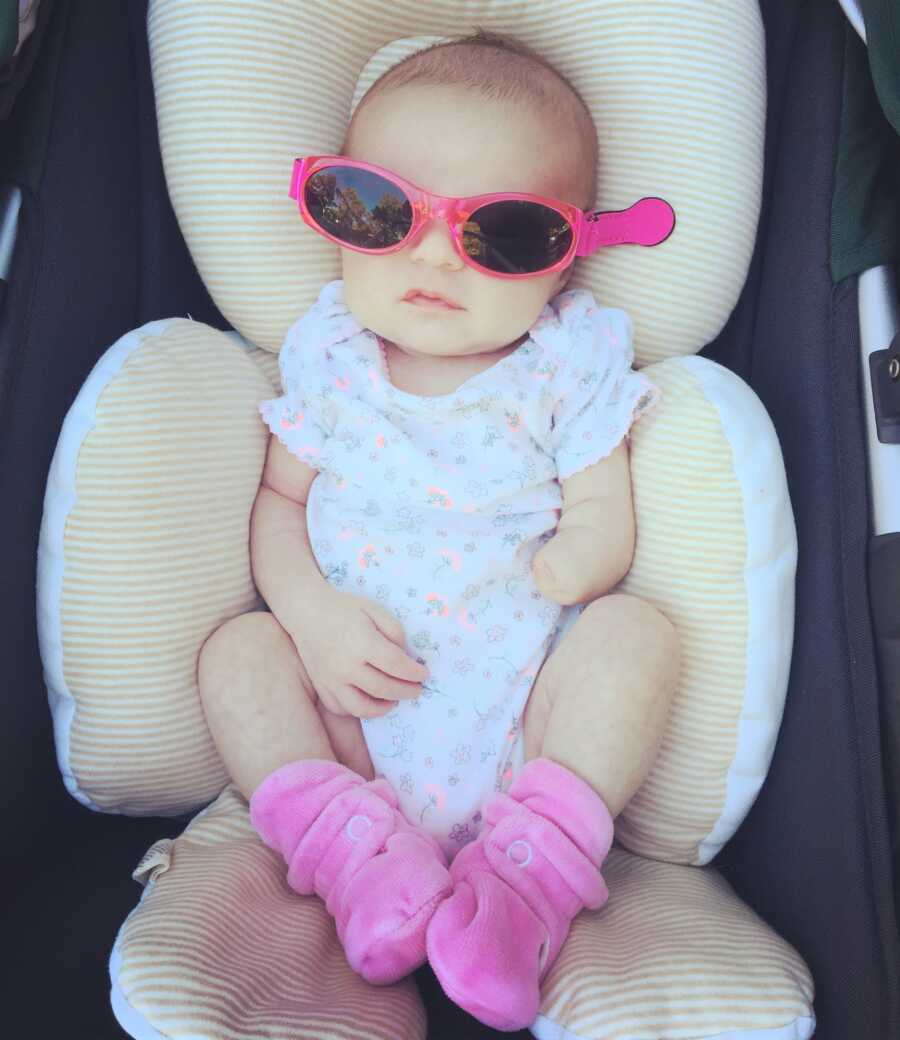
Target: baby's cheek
x=360, y=287
x=519, y=303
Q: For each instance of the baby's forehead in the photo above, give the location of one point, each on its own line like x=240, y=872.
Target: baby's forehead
x=552, y=106
x=456, y=134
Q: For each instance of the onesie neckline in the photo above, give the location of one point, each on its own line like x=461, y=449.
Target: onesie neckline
x=553, y=324
x=434, y=399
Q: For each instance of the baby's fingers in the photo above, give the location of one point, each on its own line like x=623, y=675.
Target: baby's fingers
x=385, y=622
x=358, y=703
x=385, y=687
x=391, y=659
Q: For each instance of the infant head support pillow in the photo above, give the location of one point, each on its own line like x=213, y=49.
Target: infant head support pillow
x=141, y=558
x=271, y=268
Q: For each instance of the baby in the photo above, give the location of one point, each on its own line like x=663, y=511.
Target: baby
x=446, y=494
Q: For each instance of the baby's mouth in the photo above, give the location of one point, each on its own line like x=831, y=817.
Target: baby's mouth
x=430, y=301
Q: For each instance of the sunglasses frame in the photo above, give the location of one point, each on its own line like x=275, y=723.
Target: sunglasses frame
x=648, y=222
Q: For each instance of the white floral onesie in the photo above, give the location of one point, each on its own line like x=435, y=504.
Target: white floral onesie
x=434, y=507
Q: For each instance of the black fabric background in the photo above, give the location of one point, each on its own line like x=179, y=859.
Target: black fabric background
x=100, y=253
x=813, y=856
x=884, y=582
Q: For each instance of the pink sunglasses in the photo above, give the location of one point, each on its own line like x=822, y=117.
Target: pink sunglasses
x=505, y=234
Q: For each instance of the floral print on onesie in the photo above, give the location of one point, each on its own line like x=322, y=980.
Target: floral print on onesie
x=434, y=507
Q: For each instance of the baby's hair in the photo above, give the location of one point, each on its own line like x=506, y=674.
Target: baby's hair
x=513, y=72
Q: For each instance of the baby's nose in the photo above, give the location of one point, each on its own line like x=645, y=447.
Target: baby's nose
x=434, y=246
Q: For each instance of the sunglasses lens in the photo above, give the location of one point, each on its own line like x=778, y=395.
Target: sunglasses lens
x=516, y=236
x=358, y=207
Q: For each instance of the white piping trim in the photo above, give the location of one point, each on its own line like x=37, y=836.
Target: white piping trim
x=770, y=573
x=799, y=1029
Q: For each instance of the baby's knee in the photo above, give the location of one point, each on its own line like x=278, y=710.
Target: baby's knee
x=621, y=616
x=237, y=646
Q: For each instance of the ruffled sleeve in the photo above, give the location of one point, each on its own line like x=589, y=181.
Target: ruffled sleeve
x=597, y=394
x=301, y=418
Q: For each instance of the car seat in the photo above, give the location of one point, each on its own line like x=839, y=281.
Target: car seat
x=47, y=859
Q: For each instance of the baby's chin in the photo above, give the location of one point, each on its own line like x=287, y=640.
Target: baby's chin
x=445, y=341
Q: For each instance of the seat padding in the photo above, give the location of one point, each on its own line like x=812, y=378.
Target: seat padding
x=144, y=553
x=220, y=947
x=678, y=95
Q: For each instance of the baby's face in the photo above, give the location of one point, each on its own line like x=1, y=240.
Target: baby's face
x=452, y=141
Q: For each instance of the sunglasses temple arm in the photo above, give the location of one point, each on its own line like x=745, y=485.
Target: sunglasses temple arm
x=297, y=171
x=648, y=222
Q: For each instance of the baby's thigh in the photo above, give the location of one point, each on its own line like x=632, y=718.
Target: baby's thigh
x=258, y=665
x=344, y=733
x=566, y=655
x=347, y=741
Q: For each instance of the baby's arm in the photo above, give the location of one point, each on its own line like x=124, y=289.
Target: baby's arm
x=593, y=546
x=284, y=568
x=353, y=649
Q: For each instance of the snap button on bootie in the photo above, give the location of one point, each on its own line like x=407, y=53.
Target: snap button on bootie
x=517, y=888
x=345, y=840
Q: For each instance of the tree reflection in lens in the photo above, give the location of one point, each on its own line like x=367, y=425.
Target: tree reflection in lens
x=340, y=209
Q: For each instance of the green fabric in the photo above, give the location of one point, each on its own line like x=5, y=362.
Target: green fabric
x=865, y=206
x=882, y=19
x=9, y=29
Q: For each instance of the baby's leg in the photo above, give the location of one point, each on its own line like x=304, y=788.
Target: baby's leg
x=592, y=728
x=261, y=707
x=342, y=838
x=600, y=702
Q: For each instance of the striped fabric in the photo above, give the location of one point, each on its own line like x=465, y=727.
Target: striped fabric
x=144, y=542
x=268, y=364
x=677, y=88
x=220, y=948
x=143, y=554
x=716, y=553
x=674, y=955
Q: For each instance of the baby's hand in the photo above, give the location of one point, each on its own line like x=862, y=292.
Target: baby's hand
x=566, y=568
x=353, y=651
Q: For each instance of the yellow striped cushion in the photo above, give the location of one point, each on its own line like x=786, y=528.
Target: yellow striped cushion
x=143, y=554
x=716, y=552
x=677, y=91
x=220, y=948
x=674, y=954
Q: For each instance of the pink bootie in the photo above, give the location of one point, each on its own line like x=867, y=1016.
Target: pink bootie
x=517, y=888
x=346, y=841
